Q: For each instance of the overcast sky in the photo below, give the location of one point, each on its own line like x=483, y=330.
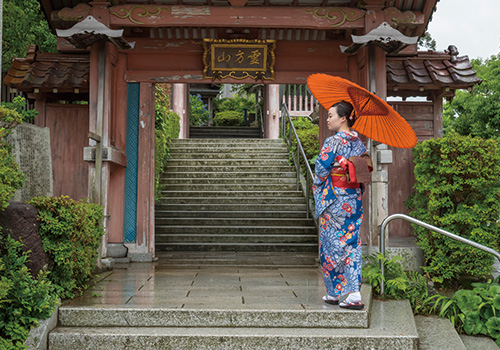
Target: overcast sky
x=472, y=26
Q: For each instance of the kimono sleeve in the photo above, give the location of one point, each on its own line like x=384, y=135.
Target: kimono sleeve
x=325, y=161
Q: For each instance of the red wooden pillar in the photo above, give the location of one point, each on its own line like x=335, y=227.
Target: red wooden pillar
x=145, y=171
x=118, y=133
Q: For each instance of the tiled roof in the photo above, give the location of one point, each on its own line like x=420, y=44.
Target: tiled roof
x=49, y=71
x=430, y=70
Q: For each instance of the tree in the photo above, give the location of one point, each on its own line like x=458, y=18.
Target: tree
x=426, y=42
x=477, y=113
x=23, y=25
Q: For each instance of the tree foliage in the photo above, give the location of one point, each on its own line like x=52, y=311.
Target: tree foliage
x=24, y=24
x=237, y=103
x=427, y=42
x=477, y=113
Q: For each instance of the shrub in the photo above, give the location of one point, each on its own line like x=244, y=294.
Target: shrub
x=228, y=118
x=236, y=103
x=457, y=189
x=167, y=126
x=308, y=134
x=11, y=178
x=473, y=311
x=18, y=105
x=71, y=233
x=398, y=284
x=23, y=299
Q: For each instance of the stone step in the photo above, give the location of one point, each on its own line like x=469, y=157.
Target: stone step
x=250, y=134
x=216, y=149
x=228, y=141
x=239, y=247
x=228, y=181
x=224, y=259
x=253, y=221
x=221, y=131
x=391, y=327
x=223, y=194
x=231, y=187
x=228, y=208
x=222, y=213
x=227, y=162
x=275, y=169
x=236, y=239
x=478, y=342
x=233, y=200
x=437, y=333
x=224, y=315
x=228, y=174
x=229, y=155
x=234, y=230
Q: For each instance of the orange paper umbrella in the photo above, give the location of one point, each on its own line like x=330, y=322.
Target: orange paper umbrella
x=374, y=117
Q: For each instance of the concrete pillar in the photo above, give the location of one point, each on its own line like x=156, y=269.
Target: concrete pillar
x=180, y=105
x=272, y=114
x=381, y=155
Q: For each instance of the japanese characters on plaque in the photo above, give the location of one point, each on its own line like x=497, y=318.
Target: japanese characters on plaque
x=238, y=59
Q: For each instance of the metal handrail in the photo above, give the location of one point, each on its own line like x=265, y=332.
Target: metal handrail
x=429, y=227
x=261, y=117
x=285, y=117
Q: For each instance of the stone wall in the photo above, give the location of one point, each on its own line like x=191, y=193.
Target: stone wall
x=31, y=149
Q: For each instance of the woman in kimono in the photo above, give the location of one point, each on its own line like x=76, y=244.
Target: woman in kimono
x=340, y=211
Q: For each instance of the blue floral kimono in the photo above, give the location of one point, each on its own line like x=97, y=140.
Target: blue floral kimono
x=340, y=213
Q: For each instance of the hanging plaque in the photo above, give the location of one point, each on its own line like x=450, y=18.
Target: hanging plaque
x=238, y=59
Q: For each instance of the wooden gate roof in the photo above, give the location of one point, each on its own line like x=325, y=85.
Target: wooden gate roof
x=430, y=71
x=427, y=72
x=44, y=72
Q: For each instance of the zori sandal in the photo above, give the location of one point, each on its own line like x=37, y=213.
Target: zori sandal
x=357, y=305
x=330, y=300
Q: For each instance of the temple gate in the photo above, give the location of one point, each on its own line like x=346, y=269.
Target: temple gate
x=121, y=49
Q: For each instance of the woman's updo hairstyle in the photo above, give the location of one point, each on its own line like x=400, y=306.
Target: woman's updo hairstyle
x=345, y=109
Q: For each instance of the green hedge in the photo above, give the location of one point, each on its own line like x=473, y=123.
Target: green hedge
x=228, y=118
x=71, y=233
x=457, y=189
x=23, y=299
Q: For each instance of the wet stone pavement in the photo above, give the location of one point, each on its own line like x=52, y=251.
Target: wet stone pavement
x=207, y=286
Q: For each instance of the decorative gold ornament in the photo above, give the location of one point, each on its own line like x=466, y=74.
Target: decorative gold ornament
x=395, y=15
x=74, y=14
x=136, y=12
x=337, y=14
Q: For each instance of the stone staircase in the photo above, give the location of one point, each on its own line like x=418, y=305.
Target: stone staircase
x=271, y=322
x=232, y=195
x=203, y=132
